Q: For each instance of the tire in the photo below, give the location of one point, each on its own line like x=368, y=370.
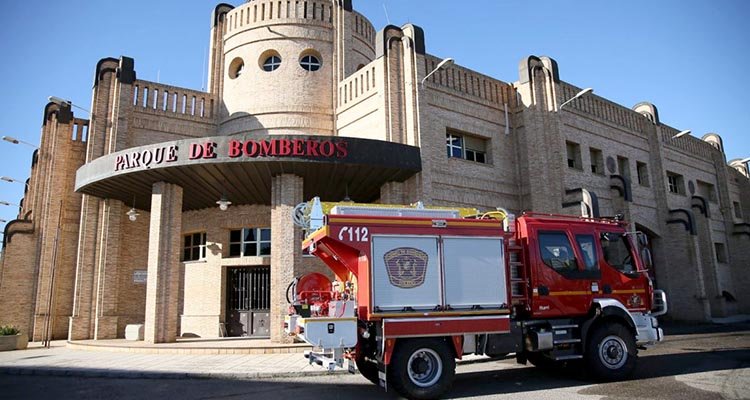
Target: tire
x=368, y=369
x=611, y=353
x=422, y=368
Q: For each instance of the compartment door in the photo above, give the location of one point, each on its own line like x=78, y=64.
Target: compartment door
x=474, y=272
x=405, y=273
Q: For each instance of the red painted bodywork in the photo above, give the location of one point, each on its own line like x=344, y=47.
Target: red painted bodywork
x=348, y=256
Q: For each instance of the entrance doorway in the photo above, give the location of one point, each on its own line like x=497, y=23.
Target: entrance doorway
x=248, y=301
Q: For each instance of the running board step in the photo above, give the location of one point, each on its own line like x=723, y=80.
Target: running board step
x=564, y=326
x=570, y=357
x=567, y=341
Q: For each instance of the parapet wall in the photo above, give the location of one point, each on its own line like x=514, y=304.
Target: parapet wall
x=686, y=143
x=603, y=109
x=364, y=30
x=268, y=12
x=357, y=87
x=470, y=83
x=157, y=98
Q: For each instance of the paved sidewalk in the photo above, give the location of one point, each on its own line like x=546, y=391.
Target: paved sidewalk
x=63, y=361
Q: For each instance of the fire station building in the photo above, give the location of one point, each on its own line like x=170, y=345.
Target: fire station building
x=172, y=207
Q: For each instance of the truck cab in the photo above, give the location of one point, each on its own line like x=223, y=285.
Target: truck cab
x=573, y=262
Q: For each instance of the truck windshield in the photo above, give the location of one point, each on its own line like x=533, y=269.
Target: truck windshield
x=616, y=251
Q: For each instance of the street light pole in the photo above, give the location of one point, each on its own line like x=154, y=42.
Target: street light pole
x=445, y=62
x=682, y=133
x=11, y=139
x=579, y=94
x=61, y=102
x=9, y=179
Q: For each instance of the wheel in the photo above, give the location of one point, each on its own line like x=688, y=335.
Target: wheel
x=611, y=353
x=422, y=368
x=368, y=369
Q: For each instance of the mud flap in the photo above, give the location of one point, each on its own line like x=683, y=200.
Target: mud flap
x=382, y=374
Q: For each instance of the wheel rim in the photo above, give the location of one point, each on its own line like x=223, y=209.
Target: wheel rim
x=425, y=367
x=613, y=352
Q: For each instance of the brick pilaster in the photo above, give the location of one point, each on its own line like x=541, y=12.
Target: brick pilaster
x=163, y=285
x=286, y=254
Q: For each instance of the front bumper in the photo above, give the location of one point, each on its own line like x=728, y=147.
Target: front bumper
x=648, y=331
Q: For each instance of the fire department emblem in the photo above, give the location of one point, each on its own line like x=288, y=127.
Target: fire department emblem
x=406, y=267
x=635, y=301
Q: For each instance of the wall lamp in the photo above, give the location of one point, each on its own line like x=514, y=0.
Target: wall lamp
x=61, y=102
x=132, y=214
x=2, y=221
x=445, y=62
x=11, y=139
x=683, y=133
x=579, y=94
x=5, y=203
x=223, y=203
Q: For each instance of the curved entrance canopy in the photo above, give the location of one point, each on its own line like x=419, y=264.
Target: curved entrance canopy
x=241, y=167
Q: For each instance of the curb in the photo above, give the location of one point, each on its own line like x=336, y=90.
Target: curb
x=125, y=374
x=122, y=374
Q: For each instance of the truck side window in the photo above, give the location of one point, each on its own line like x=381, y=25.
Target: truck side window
x=588, y=251
x=557, y=252
x=616, y=249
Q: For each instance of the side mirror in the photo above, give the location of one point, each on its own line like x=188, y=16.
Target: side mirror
x=642, y=239
x=646, y=258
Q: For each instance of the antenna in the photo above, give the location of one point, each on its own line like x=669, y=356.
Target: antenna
x=387, y=18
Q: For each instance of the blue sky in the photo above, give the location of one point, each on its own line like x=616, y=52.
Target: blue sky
x=686, y=57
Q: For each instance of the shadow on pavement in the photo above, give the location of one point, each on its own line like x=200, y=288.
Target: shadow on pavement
x=487, y=382
x=687, y=328
x=519, y=380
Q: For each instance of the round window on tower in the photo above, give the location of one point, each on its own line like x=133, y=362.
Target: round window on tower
x=236, y=67
x=310, y=61
x=270, y=61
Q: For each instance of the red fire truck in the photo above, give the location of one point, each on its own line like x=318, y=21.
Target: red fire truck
x=415, y=289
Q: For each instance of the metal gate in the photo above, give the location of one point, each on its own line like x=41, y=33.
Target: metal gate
x=248, y=301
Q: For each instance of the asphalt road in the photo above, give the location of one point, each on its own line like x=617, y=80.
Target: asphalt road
x=693, y=366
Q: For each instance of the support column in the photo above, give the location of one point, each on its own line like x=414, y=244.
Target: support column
x=163, y=284
x=106, y=284
x=286, y=253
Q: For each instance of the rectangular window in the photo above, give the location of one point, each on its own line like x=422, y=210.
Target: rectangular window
x=737, y=209
x=250, y=242
x=574, y=155
x=616, y=250
x=675, y=183
x=556, y=252
x=588, y=251
x=721, y=253
x=597, y=161
x=194, y=247
x=623, y=164
x=706, y=190
x=642, y=173
x=467, y=147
